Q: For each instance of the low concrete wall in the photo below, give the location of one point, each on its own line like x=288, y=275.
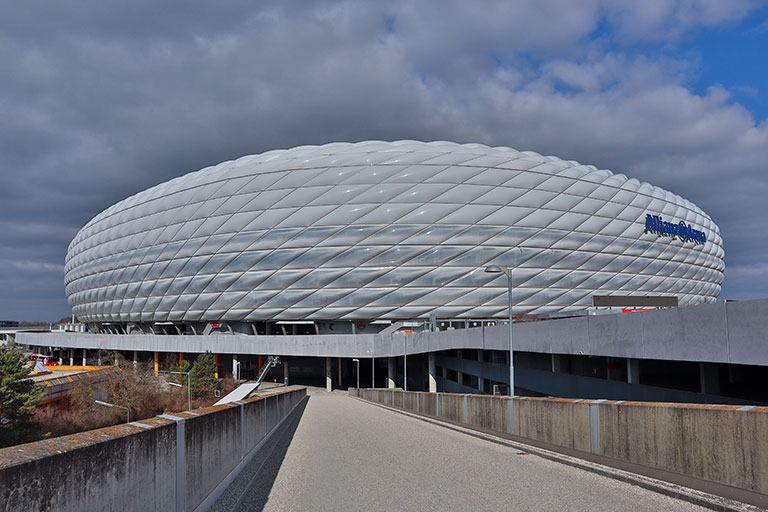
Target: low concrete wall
x=721, y=449
x=488, y=412
x=558, y=421
x=724, y=444
x=171, y=462
x=450, y=406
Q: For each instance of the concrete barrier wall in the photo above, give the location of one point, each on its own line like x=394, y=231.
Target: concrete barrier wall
x=721, y=444
x=171, y=462
x=428, y=403
x=488, y=412
x=725, y=444
x=212, y=443
x=450, y=406
x=411, y=401
x=557, y=421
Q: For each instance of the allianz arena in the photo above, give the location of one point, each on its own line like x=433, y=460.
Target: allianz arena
x=386, y=231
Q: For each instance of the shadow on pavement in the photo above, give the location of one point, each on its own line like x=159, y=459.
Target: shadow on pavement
x=250, y=490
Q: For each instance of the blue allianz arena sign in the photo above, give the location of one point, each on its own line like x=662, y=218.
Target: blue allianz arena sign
x=685, y=232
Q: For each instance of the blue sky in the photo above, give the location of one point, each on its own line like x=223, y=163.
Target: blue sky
x=736, y=56
x=99, y=102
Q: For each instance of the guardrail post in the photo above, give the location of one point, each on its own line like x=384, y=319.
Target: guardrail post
x=594, y=426
x=242, y=431
x=181, y=463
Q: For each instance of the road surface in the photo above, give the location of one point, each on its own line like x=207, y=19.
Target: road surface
x=345, y=454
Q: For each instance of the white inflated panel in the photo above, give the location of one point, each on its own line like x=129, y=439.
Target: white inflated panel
x=385, y=230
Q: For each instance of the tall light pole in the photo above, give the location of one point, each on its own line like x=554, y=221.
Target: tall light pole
x=358, y=371
x=495, y=269
x=107, y=404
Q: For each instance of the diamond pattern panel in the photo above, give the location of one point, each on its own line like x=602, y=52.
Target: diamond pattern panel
x=384, y=230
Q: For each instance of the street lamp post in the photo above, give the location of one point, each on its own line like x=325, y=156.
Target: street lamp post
x=107, y=404
x=495, y=269
x=358, y=372
x=189, y=397
x=189, y=388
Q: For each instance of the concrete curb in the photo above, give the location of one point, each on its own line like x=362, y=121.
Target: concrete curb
x=694, y=496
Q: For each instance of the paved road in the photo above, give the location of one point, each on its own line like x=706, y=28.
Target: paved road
x=344, y=454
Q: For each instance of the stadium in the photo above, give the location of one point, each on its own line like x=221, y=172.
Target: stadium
x=374, y=232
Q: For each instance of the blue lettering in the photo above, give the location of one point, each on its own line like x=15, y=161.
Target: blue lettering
x=656, y=224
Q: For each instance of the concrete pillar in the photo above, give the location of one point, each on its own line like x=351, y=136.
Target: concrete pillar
x=556, y=363
x=328, y=376
x=633, y=371
x=85, y=359
x=234, y=366
x=338, y=376
x=98, y=358
x=432, y=372
x=71, y=357
x=709, y=378
x=391, y=372
x=481, y=384
x=61, y=359
x=285, y=372
x=135, y=358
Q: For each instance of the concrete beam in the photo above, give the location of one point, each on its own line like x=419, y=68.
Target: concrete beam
x=714, y=333
x=432, y=372
x=633, y=371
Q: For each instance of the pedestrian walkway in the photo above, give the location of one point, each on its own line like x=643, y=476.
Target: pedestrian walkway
x=345, y=454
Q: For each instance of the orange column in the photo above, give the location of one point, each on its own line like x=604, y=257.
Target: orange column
x=216, y=363
x=181, y=358
x=261, y=363
x=157, y=363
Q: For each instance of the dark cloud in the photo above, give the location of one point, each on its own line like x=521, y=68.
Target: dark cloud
x=101, y=100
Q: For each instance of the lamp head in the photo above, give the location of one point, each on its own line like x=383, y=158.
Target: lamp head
x=494, y=269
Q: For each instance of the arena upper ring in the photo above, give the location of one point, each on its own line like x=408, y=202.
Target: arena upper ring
x=386, y=231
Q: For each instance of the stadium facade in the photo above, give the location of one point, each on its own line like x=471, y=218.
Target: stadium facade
x=384, y=231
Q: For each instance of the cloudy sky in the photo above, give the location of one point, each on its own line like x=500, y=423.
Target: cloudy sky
x=99, y=100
